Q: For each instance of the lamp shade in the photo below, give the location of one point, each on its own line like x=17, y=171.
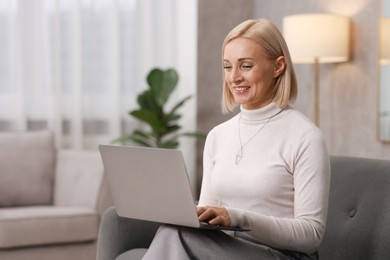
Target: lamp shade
x=385, y=41
x=321, y=37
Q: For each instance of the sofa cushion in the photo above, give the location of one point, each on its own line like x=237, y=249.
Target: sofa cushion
x=27, y=162
x=44, y=225
x=78, y=178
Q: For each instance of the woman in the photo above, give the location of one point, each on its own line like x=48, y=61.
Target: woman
x=266, y=169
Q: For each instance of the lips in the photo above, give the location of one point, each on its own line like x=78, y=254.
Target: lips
x=241, y=89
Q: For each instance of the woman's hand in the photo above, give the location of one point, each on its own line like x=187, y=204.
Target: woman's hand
x=214, y=216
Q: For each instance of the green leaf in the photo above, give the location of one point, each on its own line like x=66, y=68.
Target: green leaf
x=150, y=118
x=147, y=101
x=198, y=135
x=171, y=144
x=162, y=83
x=141, y=142
x=171, y=117
x=179, y=104
x=172, y=128
x=142, y=134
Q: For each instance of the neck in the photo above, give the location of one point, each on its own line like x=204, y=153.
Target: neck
x=256, y=115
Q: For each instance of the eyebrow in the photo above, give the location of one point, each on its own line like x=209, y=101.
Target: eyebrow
x=242, y=59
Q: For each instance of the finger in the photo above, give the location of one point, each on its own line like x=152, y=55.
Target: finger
x=217, y=221
x=221, y=220
x=204, y=216
x=207, y=215
x=200, y=210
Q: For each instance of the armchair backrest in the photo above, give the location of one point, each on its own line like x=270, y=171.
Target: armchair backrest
x=358, y=223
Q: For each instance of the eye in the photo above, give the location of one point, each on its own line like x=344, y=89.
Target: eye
x=227, y=67
x=246, y=66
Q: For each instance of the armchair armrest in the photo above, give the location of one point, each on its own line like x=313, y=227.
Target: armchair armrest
x=79, y=178
x=118, y=235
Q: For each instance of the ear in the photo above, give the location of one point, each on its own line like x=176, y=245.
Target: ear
x=280, y=65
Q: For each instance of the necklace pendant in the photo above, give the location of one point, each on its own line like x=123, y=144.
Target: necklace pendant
x=239, y=156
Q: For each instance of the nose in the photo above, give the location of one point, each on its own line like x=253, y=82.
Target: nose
x=235, y=76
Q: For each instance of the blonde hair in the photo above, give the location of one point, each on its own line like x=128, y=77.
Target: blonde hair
x=268, y=36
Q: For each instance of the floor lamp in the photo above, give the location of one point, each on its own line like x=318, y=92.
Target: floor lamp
x=384, y=41
x=317, y=38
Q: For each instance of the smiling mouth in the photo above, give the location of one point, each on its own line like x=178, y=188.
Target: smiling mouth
x=241, y=88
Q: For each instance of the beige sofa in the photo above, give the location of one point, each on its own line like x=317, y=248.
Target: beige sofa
x=50, y=201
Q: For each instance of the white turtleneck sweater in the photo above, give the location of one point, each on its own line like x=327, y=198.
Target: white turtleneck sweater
x=280, y=187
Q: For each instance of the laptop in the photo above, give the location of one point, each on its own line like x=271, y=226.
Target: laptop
x=152, y=184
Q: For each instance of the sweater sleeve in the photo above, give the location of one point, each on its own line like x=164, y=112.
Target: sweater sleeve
x=303, y=232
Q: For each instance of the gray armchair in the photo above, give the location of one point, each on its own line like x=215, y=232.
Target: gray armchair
x=358, y=224
x=123, y=238
x=51, y=200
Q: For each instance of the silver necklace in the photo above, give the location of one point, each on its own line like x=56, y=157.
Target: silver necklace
x=240, y=152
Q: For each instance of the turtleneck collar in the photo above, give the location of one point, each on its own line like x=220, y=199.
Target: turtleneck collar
x=259, y=114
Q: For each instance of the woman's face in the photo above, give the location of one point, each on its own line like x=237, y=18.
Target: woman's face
x=250, y=76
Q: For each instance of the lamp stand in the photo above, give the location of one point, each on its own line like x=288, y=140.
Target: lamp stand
x=316, y=93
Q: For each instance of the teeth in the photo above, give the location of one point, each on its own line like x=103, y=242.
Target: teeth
x=241, y=88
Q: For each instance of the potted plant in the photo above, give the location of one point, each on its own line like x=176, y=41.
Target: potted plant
x=163, y=130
